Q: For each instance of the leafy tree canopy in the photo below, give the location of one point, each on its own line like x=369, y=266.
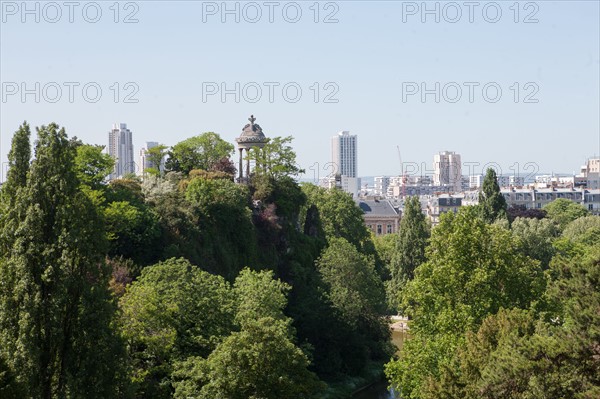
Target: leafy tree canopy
x=204, y=151
x=261, y=360
x=276, y=159
x=472, y=270
x=563, y=211
x=156, y=155
x=92, y=165
x=340, y=216
x=515, y=354
x=173, y=310
x=355, y=289
x=537, y=237
x=584, y=229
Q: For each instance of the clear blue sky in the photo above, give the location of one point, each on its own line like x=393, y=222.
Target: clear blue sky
x=367, y=54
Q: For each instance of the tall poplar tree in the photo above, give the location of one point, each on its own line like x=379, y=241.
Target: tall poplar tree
x=410, y=249
x=18, y=167
x=492, y=204
x=18, y=163
x=55, y=308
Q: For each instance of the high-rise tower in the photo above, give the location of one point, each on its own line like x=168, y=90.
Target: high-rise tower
x=447, y=170
x=344, y=157
x=343, y=154
x=120, y=147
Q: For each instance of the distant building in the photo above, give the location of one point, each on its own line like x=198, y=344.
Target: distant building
x=350, y=185
x=441, y=204
x=591, y=201
x=347, y=184
x=532, y=198
x=476, y=181
x=589, y=175
x=381, y=184
x=447, y=170
x=344, y=149
x=120, y=148
x=345, y=160
x=380, y=216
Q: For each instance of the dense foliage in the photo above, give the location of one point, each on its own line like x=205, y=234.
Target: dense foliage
x=56, y=314
x=501, y=311
x=217, y=289
x=185, y=284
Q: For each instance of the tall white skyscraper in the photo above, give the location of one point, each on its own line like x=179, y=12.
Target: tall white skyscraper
x=447, y=170
x=145, y=163
x=344, y=157
x=343, y=154
x=120, y=147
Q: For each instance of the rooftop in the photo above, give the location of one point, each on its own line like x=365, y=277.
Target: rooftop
x=377, y=207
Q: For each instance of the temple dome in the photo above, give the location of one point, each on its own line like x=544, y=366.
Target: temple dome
x=252, y=135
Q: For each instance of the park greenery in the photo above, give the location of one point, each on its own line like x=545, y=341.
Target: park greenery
x=186, y=284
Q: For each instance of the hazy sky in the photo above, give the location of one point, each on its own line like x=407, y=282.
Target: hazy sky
x=363, y=71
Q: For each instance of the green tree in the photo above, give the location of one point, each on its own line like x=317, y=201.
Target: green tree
x=537, y=237
x=261, y=360
x=173, y=311
x=92, y=165
x=215, y=195
x=181, y=232
x=131, y=224
x=18, y=167
x=472, y=270
x=563, y=211
x=228, y=236
x=156, y=156
x=518, y=354
x=258, y=295
x=132, y=231
x=276, y=159
x=410, y=249
x=55, y=307
x=199, y=152
x=357, y=296
x=584, y=229
x=355, y=289
x=18, y=164
x=492, y=204
x=385, y=247
x=9, y=387
x=340, y=216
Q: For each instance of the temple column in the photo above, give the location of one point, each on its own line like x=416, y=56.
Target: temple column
x=248, y=163
x=240, y=163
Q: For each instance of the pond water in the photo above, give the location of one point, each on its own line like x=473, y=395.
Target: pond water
x=380, y=389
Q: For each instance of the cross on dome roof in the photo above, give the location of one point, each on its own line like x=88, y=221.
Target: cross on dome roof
x=252, y=135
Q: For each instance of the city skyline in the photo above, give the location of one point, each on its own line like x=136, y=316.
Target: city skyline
x=526, y=170
x=382, y=74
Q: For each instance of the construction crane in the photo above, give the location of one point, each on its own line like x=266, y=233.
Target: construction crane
x=402, y=177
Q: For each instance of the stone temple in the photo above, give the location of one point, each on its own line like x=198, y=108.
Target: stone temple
x=252, y=137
